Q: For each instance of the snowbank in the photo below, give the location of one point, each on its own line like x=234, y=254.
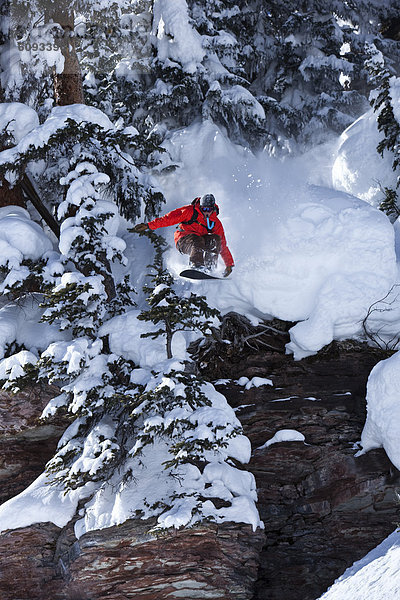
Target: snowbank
x=376, y=576
x=382, y=427
x=303, y=252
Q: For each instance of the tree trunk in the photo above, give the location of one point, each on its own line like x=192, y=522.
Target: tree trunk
x=169, y=335
x=68, y=87
x=9, y=196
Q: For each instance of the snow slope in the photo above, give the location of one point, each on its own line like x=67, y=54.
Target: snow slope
x=375, y=577
x=303, y=250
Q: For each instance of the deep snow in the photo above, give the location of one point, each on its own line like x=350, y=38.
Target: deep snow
x=303, y=250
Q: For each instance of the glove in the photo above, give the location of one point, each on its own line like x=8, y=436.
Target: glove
x=140, y=227
x=228, y=271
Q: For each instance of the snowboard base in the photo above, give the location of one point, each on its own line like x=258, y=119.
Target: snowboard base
x=194, y=274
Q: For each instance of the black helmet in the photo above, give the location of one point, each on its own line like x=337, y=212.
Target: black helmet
x=207, y=201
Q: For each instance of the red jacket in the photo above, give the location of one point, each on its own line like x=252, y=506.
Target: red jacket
x=199, y=227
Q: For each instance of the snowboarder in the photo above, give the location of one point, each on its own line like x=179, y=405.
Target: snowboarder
x=199, y=233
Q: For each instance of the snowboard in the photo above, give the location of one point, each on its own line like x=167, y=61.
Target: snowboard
x=194, y=274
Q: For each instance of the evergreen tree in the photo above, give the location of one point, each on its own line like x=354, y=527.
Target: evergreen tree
x=69, y=139
x=125, y=416
x=167, y=310
x=274, y=75
x=382, y=102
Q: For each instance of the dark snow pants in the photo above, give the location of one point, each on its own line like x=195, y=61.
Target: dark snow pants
x=203, y=250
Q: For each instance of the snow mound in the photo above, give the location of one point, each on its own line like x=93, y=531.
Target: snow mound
x=254, y=382
x=125, y=332
x=303, y=252
x=382, y=427
x=284, y=435
x=20, y=237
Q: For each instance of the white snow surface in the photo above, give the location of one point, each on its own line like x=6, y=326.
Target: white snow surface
x=13, y=366
x=358, y=168
x=41, y=502
x=303, y=250
x=17, y=119
x=382, y=427
x=376, y=576
x=19, y=322
x=20, y=237
x=253, y=382
x=284, y=435
x=125, y=332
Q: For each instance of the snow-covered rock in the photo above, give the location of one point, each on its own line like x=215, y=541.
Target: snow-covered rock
x=382, y=427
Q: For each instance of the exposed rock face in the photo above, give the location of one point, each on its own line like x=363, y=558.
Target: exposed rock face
x=25, y=444
x=43, y=562
x=205, y=562
x=322, y=507
x=26, y=563
x=126, y=562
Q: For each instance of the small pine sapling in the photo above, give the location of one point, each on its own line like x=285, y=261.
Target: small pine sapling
x=170, y=312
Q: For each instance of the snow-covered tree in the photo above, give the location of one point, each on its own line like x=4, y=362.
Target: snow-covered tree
x=129, y=420
x=169, y=311
x=74, y=134
x=272, y=75
x=383, y=100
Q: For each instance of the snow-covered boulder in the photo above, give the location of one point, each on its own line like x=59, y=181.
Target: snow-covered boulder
x=20, y=237
x=382, y=427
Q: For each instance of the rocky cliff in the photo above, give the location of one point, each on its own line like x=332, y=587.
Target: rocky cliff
x=322, y=507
